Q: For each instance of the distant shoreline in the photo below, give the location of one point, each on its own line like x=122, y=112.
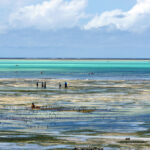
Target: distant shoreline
x=75, y=58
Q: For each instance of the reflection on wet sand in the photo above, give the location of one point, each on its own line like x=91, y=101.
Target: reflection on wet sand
x=88, y=112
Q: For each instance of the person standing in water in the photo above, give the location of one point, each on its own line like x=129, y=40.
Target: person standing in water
x=66, y=85
x=45, y=84
x=37, y=84
x=42, y=84
x=59, y=85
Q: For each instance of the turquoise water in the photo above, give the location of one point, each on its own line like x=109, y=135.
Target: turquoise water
x=75, y=69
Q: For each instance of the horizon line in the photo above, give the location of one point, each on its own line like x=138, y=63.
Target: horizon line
x=67, y=58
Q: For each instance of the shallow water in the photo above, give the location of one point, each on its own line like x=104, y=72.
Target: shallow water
x=120, y=107
x=76, y=69
x=106, y=101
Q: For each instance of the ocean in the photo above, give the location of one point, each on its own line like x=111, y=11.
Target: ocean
x=106, y=103
x=76, y=69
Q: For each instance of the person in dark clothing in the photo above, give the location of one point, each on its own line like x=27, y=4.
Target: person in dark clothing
x=45, y=85
x=32, y=106
x=66, y=85
x=59, y=85
x=35, y=107
x=37, y=84
x=42, y=84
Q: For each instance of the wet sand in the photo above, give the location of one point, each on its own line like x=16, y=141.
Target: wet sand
x=120, y=111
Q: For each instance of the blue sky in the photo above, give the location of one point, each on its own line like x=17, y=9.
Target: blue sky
x=99, y=6
x=75, y=28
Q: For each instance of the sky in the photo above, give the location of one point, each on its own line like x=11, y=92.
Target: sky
x=75, y=28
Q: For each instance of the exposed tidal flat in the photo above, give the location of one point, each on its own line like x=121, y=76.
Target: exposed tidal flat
x=114, y=114
x=105, y=105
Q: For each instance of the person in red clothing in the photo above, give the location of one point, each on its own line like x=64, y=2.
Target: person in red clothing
x=35, y=107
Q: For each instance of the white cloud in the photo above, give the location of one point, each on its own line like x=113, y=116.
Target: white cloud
x=136, y=19
x=50, y=14
x=7, y=7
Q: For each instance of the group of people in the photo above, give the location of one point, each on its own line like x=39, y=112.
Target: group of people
x=66, y=85
x=43, y=84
